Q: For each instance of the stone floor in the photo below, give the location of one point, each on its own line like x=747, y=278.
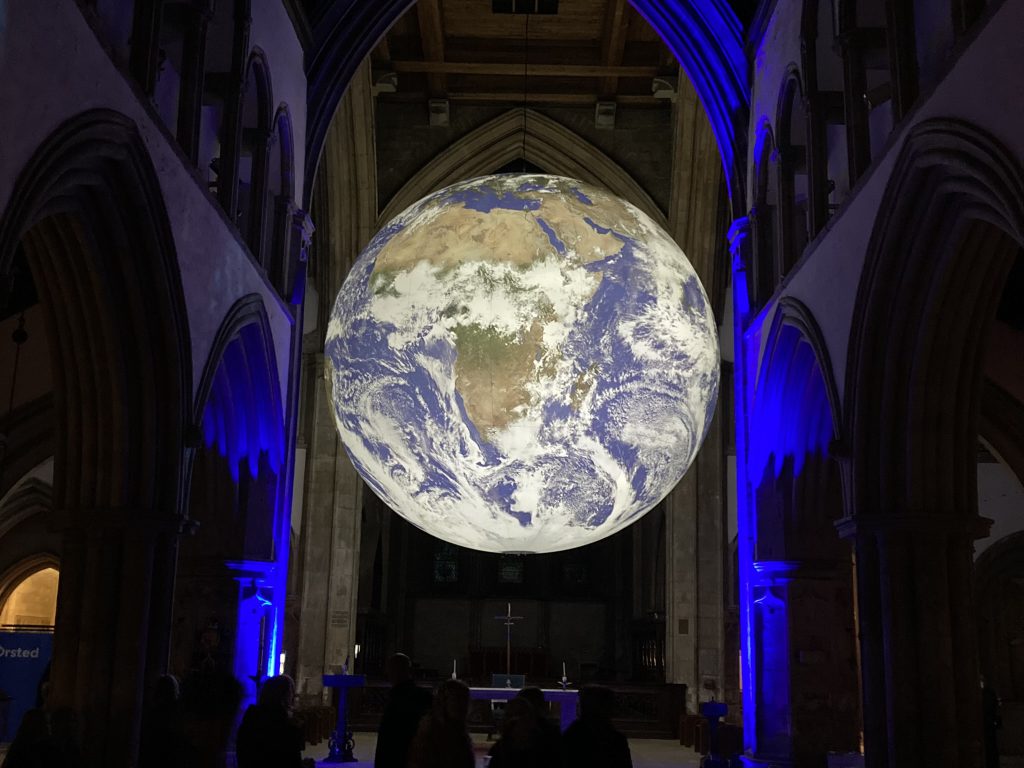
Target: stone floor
x=647, y=753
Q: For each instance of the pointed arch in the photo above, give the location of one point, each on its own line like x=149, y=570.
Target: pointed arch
x=500, y=141
x=28, y=498
x=705, y=36
x=921, y=312
x=89, y=211
x=238, y=405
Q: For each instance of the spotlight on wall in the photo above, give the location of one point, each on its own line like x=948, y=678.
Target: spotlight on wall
x=384, y=82
x=439, y=113
x=604, y=115
x=665, y=88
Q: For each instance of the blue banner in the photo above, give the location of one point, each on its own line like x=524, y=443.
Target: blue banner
x=23, y=659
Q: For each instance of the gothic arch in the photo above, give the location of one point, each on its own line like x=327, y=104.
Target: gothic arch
x=704, y=35
x=500, y=141
x=89, y=210
x=257, y=119
x=12, y=578
x=791, y=132
x=241, y=375
x=921, y=311
x=796, y=418
x=800, y=581
x=948, y=229
x=30, y=497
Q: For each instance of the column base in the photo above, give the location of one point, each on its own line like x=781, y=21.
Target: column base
x=765, y=762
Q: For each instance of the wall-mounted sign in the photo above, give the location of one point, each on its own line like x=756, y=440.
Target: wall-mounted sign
x=23, y=660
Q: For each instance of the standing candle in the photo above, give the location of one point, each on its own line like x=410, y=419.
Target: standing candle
x=563, y=670
x=454, y=663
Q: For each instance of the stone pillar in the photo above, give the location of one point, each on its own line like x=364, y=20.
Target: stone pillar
x=345, y=202
x=113, y=618
x=329, y=546
x=922, y=700
x=695, y=524
x=804, y=668
x=696, y=551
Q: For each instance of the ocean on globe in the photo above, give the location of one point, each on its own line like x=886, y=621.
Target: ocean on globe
x=522, y=363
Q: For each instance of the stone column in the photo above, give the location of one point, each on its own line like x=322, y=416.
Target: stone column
x=695, y=511
x=112, y=624
x=329, y=547
x=804, y=668
x=345, y=201
x=922, y=699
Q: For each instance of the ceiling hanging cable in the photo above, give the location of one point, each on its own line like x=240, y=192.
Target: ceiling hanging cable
x=526, y=80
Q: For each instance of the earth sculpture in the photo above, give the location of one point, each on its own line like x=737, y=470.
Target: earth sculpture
x=522, y=363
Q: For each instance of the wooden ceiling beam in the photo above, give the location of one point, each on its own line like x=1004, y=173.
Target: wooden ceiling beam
x=613, y=43
x=516, y=70
x=566, y=99
x=428, y=12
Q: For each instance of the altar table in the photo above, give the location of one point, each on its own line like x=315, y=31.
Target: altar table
x=566, y=699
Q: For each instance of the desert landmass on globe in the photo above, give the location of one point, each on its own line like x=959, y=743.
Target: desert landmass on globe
x=522, y=363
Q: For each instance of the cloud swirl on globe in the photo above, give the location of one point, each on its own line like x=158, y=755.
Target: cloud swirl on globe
x=522, y=363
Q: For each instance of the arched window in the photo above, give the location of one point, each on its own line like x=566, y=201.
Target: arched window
x=280, y=200
x=765, y=216
x=254, y=155
x=877, y=39
x=216, y=86
x=31, y=598
x=822, y=68
x=178, y=90
x=794, y=187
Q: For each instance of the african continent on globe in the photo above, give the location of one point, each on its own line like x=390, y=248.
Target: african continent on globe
x=522, y=363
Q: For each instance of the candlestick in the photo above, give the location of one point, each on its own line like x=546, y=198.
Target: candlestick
x=454, y=668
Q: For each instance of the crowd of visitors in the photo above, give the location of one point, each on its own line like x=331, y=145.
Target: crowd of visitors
x=190, y=725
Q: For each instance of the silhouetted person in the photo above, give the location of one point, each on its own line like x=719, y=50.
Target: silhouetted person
x=162, y=742
x=32, y=746
x=64, y=738
x=592, y=741
x=210, y=697
x=268, y=737
x=442, y=740
x=550, y=730
x=993, y=721
x=407, y=704
x=523, y=743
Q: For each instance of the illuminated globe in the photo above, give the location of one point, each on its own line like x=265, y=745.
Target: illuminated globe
x=522, y=363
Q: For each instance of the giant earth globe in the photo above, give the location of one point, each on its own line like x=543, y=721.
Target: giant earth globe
x=522, y=363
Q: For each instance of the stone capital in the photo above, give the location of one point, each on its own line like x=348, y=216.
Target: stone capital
x=738, y=235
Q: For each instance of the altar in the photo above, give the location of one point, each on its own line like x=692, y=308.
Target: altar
x=566, y=699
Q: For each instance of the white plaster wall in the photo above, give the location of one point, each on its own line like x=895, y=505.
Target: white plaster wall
x=827, y=278
x=52, y=67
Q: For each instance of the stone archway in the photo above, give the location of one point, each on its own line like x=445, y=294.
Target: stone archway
x=705, y=36
x=88, y=211
x=951, y=224
x=500, y=141
x=800, y=686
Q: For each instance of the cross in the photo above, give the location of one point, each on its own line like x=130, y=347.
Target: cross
x=509, y=623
